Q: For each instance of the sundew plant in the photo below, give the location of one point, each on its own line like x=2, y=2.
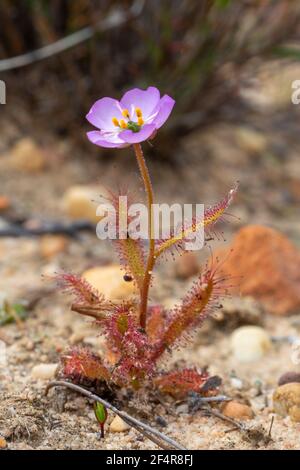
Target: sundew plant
x=140, y=335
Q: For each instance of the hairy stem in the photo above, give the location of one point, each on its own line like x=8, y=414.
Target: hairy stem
x=151, y=258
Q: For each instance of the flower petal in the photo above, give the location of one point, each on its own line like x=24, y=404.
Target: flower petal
x=102, y=112
x=107, y=141
x=165, y=107
x=146, y=100
x=136, y=137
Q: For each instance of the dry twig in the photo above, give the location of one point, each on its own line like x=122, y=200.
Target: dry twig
x=155, y=436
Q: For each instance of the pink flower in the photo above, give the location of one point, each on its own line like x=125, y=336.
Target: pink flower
x=133, y=119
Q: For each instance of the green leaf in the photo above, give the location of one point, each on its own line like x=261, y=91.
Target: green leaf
x=222, y=3
x=287, y=52
x=10, y=313
x=100, y=412
x=132, y=258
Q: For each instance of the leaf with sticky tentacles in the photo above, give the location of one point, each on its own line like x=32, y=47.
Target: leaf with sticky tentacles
x=80, y=364
x=130, y=251
x=179, y=383
x=88, y=301
x=212, y=215
x=194, y=309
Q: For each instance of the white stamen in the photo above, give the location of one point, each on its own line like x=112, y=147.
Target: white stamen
x=119, y=107
x=132, y=111
x=152, y=116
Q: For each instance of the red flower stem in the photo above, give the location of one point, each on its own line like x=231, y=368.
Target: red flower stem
x=151, y=259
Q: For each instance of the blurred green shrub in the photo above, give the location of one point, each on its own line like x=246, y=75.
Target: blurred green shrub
x=191, y=49
x=10, y=313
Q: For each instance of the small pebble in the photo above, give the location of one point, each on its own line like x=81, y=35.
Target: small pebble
x=289, y=377
x=51, y=245
x=28, y=156
x=250, y=140
x=286, y=401
x=81, y=202
x=3, y=443
x=236, y=383
x=109, y=281
x=118, y=425
x=250, y=343
x=235, y=410
x=182, y=409
x=4, y=203
x=44, y=371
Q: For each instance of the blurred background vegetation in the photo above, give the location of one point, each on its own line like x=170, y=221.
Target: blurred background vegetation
x=192, y=49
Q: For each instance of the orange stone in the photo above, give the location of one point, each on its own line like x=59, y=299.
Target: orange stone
x=266, y=266
x=3, y=443
x=4, y=203
x=236, y=410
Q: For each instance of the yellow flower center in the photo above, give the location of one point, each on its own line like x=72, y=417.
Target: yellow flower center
x=128, y=123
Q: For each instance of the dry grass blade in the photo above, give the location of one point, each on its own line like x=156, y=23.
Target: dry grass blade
x=116, y=19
